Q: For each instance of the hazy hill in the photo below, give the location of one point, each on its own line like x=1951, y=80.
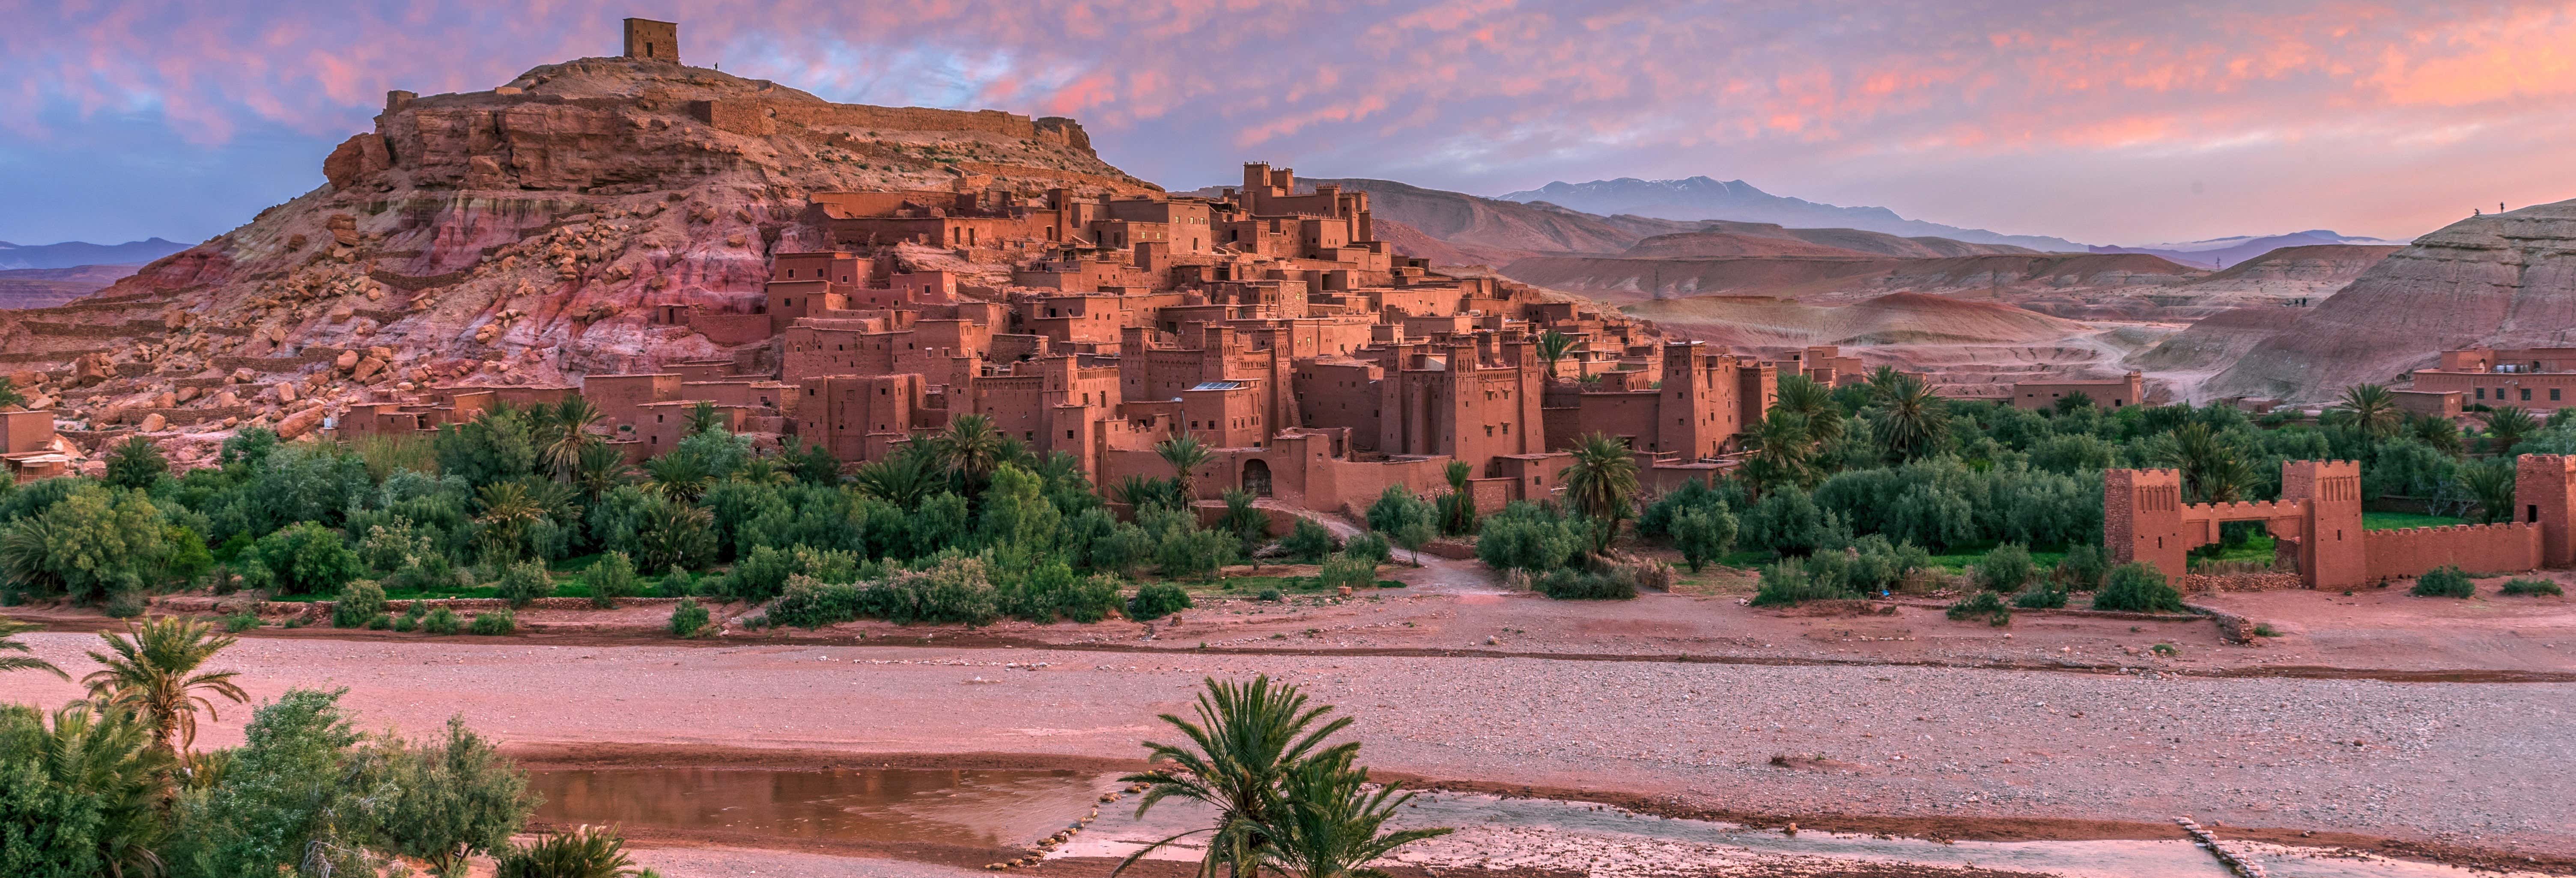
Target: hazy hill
x=71, y=254
x=1702, y=198
x=2228, y=252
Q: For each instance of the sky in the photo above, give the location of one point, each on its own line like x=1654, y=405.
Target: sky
x=2100, y=122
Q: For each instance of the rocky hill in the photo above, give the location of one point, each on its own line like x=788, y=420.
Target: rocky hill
x=1722, y=238
x=2504, y=279
x=46, y=287
x=511, y=236
x=1703, y=198
x=76, y=254
x=1842, y=277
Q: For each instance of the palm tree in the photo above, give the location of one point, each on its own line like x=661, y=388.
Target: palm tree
x=901, y=479
x=1781, y=451
x=1600, y=483
x=585, y=852
x=1811, y=399
x=2072, y=402
x=567, y=434
x=9, y=631
x=153, y=672
x=1552, y=347
x=970, y=446
x=1247, y=741
x=108, y=757
x=2441, y=433
x=704, y=418
x=598, y=469
x=1139, y=491
x=2491, y=482
x=1458, y=507
x=2211, y=471
x=763, y=471
x=2372, y=408
x=1331, y=825
x=2506, y=428
x=1186, y=454
x=1912, y=420
x=681, y=477
x=27, y=549
x=508, y=510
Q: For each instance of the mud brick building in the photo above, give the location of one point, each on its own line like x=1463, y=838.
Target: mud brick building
x=2109, y=393
x=2542, y=379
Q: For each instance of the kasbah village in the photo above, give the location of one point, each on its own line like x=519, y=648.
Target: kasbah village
x=817, y=489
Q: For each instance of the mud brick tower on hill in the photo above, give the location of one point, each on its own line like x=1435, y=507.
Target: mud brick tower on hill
x=2318, y=525
x=651, y=40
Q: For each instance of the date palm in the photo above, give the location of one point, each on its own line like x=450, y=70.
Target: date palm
x=154, y=671
x=509, y=509
x=2212, y=472
x=9, y=631
x=2507, y=426
x=566, y=435
x=1601, y=483
x=1248, y=739
x=1912, y=420
x=1331, y=825
x=598, y=469
x=971, y=447
x=1186, y=454
x=1782, y=451
x=705, y=418
x=680, y=476
x=585, y=852
x=901, y=479
x=2491, y=483
x=1811, y=399
x=1552, y=348
x=108, y=757
x=2372, y=408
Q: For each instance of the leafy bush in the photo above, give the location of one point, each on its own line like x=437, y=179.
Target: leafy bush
x=2444, y=582
x=1788, y=582
x=1527, y=536
x=675, y=584
x=381, y=622
x=1984, y=605
x=1372, y=546
x=126, y=604
x=306, y=558
x=1309, y=542
x=2531, y=587
x=241, y=621
x=358, y=602
x=2041, y=599
x=441, y=621
x=523, y=582
x=2137, y=587
x=1567, y=583
x=495, y=622
x=1154, y=600
x=1267, y=596
x=1703, y=534
x=956, y=590
x=1054, y=591
x=2005, y=569
x=1345, y=570
x=1186, y=551
x=611, y=577
x=687, y=617
x=585, y=852
x=2082, y=568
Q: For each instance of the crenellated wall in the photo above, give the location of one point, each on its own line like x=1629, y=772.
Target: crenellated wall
x=2511, y=547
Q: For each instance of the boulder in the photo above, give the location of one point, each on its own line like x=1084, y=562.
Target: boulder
x=368, y=368
x=359, y=156
x=185, y=394
x=154, y=423
x=348, y=360
x=286, y=391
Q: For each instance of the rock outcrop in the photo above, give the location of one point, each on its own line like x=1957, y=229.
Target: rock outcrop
x=2506, y=280
x=513, y=236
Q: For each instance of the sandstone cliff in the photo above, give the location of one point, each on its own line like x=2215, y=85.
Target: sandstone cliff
x=512, y=236
x=2504, y=279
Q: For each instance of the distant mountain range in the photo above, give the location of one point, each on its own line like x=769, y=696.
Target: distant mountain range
x=2224, y=252
x=1702, y=198
x=75, y=253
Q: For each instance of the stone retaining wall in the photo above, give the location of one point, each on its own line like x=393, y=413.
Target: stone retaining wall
x=2192, y=582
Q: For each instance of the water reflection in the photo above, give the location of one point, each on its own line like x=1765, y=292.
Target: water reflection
x=986, y=807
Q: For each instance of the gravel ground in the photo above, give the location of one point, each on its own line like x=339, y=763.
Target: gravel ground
x=2455, y=762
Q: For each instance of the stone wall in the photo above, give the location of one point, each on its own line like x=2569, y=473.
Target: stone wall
x=2478, y=548
x=2238, y=582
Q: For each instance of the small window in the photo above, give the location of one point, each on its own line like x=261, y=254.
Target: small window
x=2482, y=393
x=2526, y=394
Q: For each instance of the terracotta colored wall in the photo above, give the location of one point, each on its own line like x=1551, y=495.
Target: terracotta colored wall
x=731, y=329
x=2477, y=548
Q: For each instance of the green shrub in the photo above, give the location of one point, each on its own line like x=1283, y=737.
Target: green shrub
x=675, y=584
x=585, y=852
x=126, y=604
x=381, y=622
x=2005, y=569
x=1526, y=536
x=956, y=590
x=611, y=577
x=1983, y=605
x=1054, y=591
x=523, y=582
x=1703, y=534
x=442, y=621
x=358, y=602
x=688, y=617
x=2531, y=587
x=495, y=623
x=1309, y=542
x=2041, y=599
x=2082, y=568
x=241, y=621
x=2137, y=587
x=1347, y=570
x=2165, y=649
x=306, y=558
x=1570, y=584
x=1372, y=546
x=1268, y=595
x=2444, y=582
x=1788, y=582
x=1154, y=600
x=2265, y=629
x=407, y=622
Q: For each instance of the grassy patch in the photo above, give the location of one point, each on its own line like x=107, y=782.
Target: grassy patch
x=562, y=590
x=1965, y=555
x=2396, y=520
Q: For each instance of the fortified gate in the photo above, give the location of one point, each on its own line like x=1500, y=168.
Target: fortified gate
x=2316, y=525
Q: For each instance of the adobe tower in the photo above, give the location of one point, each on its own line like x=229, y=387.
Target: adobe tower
x=651, y=40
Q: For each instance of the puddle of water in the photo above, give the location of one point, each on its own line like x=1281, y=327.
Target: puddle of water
x=991, y=808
